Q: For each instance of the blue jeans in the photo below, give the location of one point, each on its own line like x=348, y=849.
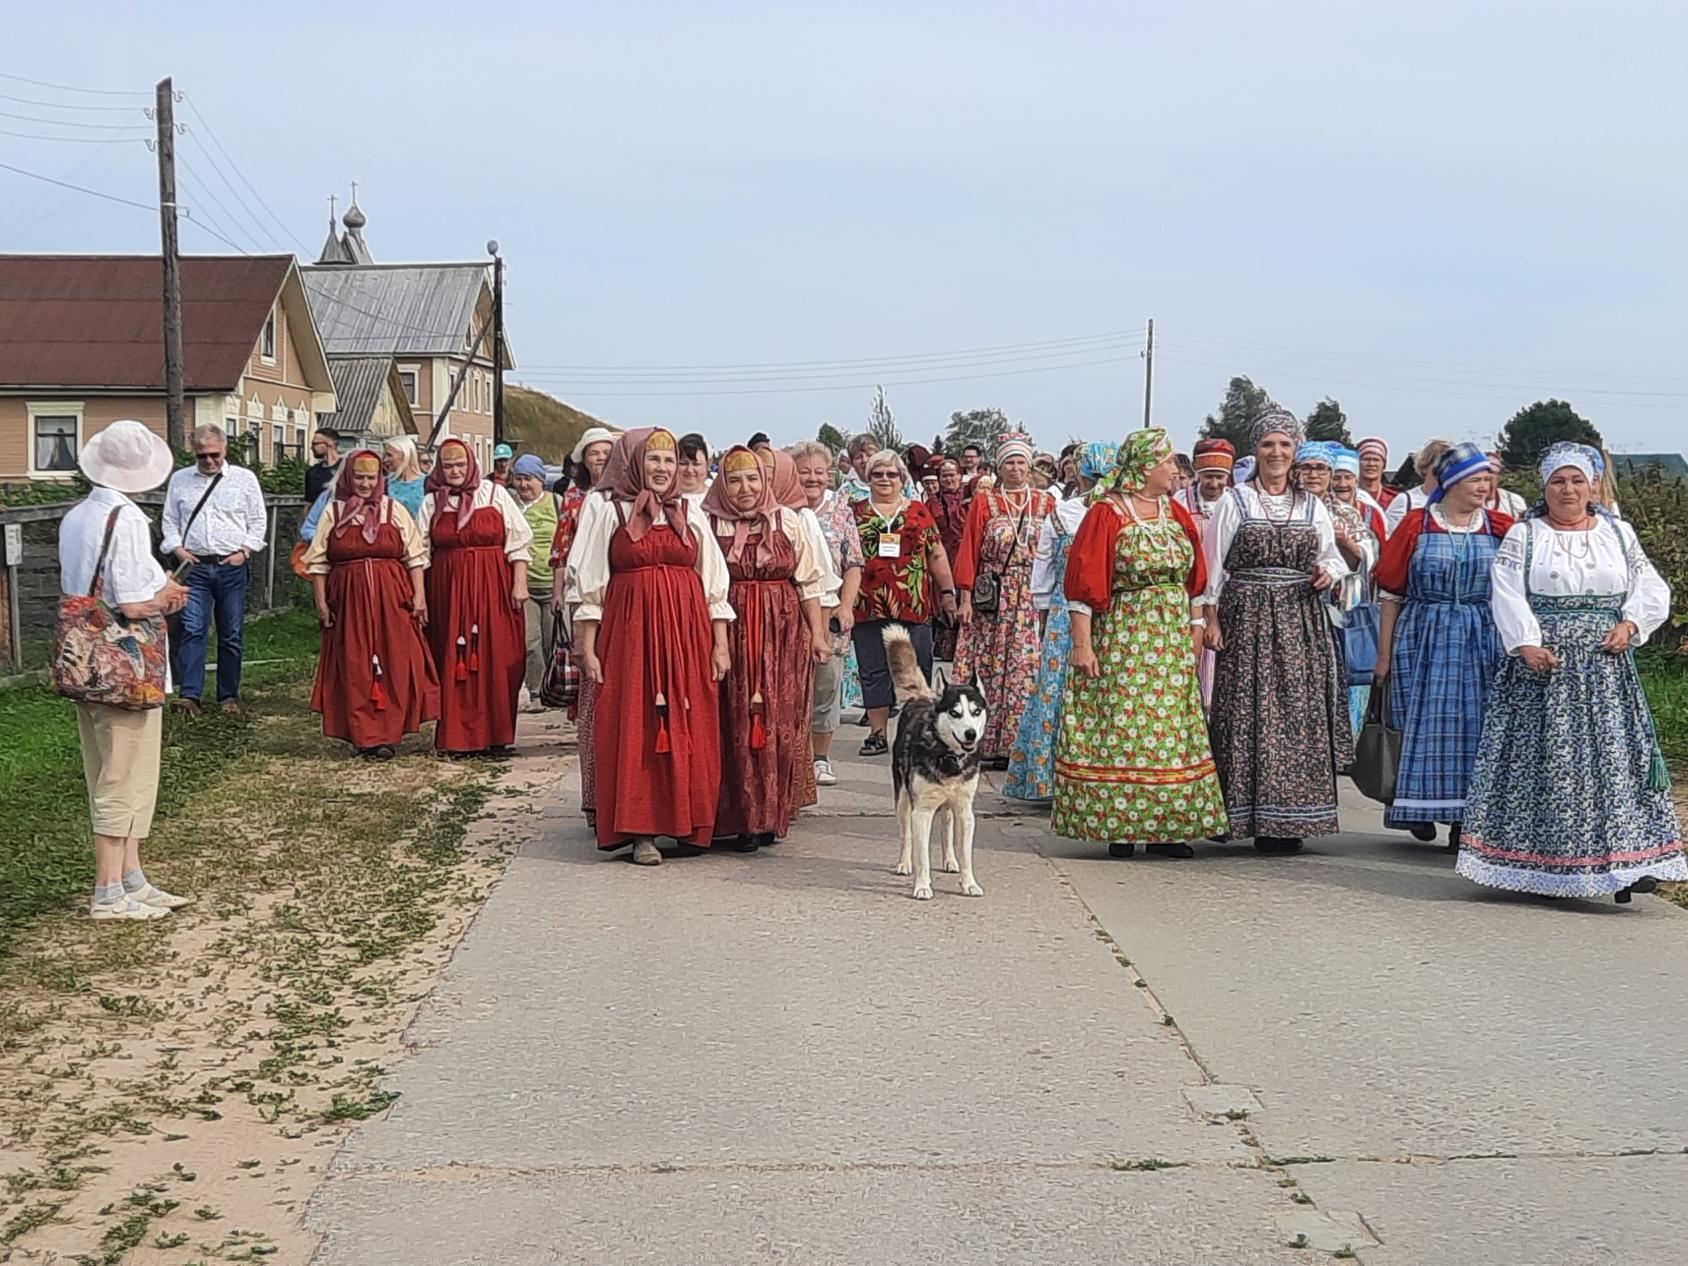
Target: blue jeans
x=215, y=590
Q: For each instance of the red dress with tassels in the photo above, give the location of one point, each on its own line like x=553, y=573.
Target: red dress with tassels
x=658, y=735
x=767, y=698
x=479, y=639
x=375, y=678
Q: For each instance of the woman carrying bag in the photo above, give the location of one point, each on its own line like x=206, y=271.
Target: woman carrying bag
x=109, y=576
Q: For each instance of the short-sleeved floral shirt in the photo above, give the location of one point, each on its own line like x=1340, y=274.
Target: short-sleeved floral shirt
x=897, y=588
x=838, y=525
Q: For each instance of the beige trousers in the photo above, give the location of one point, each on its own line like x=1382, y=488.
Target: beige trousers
x=538, y=641
x=120, y=752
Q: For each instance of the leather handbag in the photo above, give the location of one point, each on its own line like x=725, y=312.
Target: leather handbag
x=560, y=686
x=987, y=588
x=101, y=655
x=1377, y=752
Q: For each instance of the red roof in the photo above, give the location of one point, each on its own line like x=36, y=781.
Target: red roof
x=97, y=321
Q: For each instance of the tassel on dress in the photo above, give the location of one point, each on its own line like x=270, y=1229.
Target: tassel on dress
x=378, y=691
x=758, y=731
x=474, y=648
x=663, y=744
x=461, y=672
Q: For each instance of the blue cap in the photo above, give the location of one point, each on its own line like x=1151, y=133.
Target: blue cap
x=502, y=451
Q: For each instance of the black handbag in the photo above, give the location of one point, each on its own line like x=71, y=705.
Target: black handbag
x=987, y=588
x=1377, y=752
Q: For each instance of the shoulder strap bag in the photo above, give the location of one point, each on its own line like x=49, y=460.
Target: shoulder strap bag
x=102, y=656
x=987, y=587
x=194, y=513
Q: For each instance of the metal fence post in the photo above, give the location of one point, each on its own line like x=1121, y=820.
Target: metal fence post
x=269, y=562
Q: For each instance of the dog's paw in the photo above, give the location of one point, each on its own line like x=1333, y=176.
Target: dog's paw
x=972, y=889
x=951, y=866
x=922, y=894
x=905, y=868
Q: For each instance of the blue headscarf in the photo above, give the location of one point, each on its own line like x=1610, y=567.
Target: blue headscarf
x=1096, y=458
x=1315, y=451
x=1456, y=465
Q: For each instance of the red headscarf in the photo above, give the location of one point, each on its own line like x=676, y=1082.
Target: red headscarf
x=624, y=477
x=465, y=491
x=350, y=503
x=787, y=487
x=718, y=502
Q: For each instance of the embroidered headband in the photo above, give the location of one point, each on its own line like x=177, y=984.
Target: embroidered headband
x=1564, y=454
x=1276, y=422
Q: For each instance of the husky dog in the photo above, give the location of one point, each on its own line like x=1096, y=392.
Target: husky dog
x=934, y=767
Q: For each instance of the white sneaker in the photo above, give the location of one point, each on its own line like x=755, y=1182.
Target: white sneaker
x=824, y=777
x=125, y=907
x=152, y=895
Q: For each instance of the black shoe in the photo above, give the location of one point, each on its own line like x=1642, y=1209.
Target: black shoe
x=1454, y=839
x=1622, y=897
x=1276, y=844
x=874, y=744
x=1121, y=850
x=1425, y=831
x=766, y=839
x=743, y=843
x=1171, y=850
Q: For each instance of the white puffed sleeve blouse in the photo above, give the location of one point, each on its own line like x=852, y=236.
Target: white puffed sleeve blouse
x=518, y=532
x=589, y=559
x=1604, y=560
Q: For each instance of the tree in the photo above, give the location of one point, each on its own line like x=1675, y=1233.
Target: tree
x=835, y=440
x=1534, y=429
x=1243, y=403
x=984, y=427
x=882, y=423
x=1329, y=422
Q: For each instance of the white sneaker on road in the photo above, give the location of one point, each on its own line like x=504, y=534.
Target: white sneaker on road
x=824, y=777
x=152, y=895
x=125, y=907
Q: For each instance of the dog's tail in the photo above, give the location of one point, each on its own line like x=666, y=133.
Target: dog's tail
x=906, y=677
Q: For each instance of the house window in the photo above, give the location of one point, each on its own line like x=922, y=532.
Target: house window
x=266, y=345
x=408, y=380
x=231, y=428
x=278, y=438
x=55, y=438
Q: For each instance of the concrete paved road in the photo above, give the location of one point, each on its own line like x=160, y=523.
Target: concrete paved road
x=782, y=1058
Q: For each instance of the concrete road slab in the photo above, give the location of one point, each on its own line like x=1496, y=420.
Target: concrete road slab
x=791, y=1006
x=1379, y=1005
x=1021, y=1216
x=1564, y=1211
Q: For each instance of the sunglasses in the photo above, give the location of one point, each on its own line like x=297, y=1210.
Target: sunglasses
x=207, y=457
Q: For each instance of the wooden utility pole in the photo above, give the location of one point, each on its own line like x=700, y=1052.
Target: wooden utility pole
x=1149, y=376
x=165, y=117
x=497, y=343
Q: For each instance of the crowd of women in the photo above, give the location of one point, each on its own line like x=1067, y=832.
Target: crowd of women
x=1173, y=650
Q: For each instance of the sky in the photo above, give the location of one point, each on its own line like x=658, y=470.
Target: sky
x=732, y=217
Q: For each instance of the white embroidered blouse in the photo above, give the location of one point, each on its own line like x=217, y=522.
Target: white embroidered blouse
x=415, y=548
x=589, y=559
x=1070, y=514
x=1606, y=559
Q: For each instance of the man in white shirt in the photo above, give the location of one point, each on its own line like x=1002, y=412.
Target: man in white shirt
x=214, y=518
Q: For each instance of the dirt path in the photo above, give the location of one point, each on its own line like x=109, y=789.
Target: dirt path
x=173, y=1094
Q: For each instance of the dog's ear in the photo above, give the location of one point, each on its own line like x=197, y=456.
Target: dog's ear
x=942, y=680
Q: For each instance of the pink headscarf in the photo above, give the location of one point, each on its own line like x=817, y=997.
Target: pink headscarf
x=350, y=503
x=787, y=487
x=718, y=503
x=624, y=477
x=465, y=491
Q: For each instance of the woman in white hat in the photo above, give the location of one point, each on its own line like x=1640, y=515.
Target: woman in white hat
x=120, y=747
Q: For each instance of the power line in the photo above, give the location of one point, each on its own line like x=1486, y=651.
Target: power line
x=233, y=192
x=202, y=224
x=91, y=127
x=25, y=218
x=65, y=184
x=55, y=105
x=64, y=140
x=199, y=183
x=243, y=180
x=93, y=92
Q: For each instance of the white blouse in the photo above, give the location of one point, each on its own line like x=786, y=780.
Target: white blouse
x=589, y=559
x=1606, y=559
x=1071, y=514
x=518, y=532
x=1411, y=499
x=1228, y=517
x=831, y=581
x=415, y=545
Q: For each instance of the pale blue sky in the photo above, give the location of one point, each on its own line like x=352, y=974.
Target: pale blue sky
x=1436, y=212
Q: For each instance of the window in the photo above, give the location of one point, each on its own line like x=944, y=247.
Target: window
x=231, y=428
x=266, y=344
x=407, y=380
x=278, y=439
x=55, y=438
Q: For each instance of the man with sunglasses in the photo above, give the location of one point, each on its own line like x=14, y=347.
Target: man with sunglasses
x=214, y=519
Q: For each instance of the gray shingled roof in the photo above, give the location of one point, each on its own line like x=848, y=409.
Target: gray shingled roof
x=396, y=309
x=358, y=382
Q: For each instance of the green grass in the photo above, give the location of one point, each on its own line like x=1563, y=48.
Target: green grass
x=1664, y=674
x=46, y=857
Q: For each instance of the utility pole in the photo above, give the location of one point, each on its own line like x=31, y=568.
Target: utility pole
x=497, y=342
x=165, y=117
x=1149, y=375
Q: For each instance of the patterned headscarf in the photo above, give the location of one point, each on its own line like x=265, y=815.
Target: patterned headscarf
x=1276, y=422
x=465, y=491
x=1458, y=464
x=624, y=476
x=345, y=492
x=1014, y=444
x=1314, y=451
x=1564, y=454
x=1096, y=459
x=718, y=502
x=1373, y=444
x=1347, y=459
x=1214, y=454
x=1139, y=453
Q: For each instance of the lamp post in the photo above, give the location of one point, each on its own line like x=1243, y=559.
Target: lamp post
x=497, y=342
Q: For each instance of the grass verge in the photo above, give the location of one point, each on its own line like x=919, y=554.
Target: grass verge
x=159, y=1083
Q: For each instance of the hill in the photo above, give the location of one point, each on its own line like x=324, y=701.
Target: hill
x=537, y=423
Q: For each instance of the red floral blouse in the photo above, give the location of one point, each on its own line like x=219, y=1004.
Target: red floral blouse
x=897, y=588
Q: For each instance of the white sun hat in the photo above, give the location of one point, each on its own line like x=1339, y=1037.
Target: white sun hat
x=126, y=456
x=593, y=435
